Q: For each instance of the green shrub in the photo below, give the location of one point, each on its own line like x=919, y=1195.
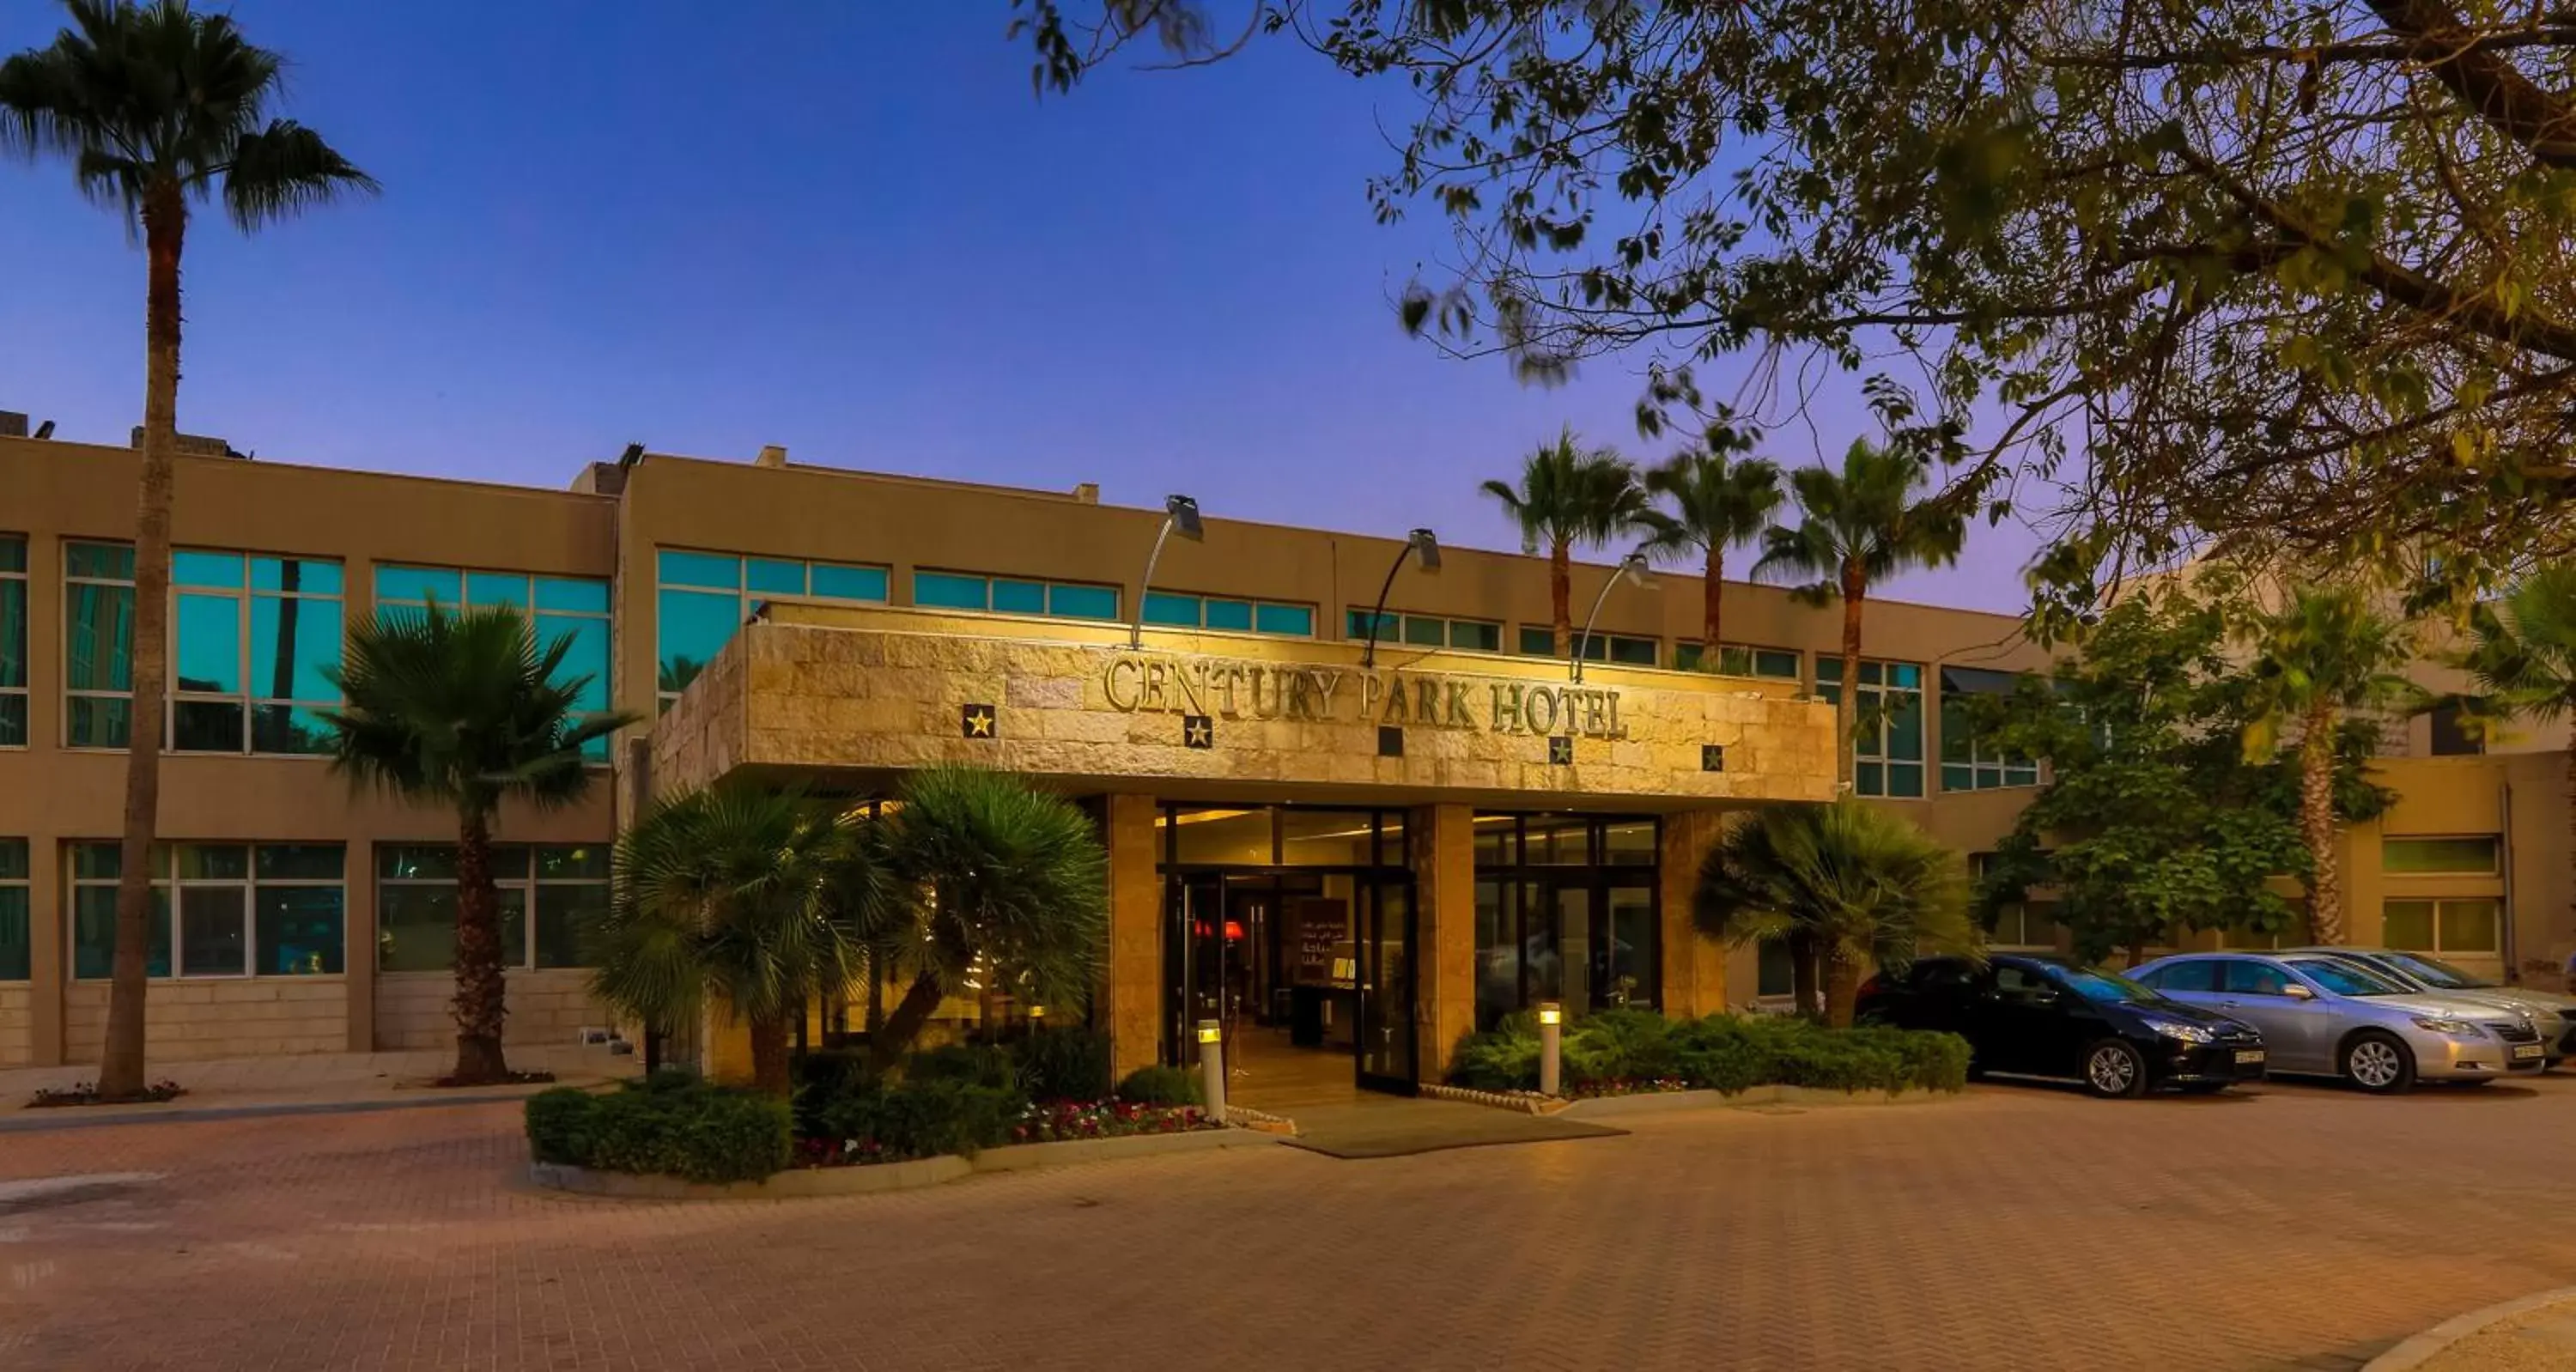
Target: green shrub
x=1160, y=1085
x=986, y=1065
x=1064, y=1064
x=1723, y=1052
x=681, y=1128
x=1617, y=1045
x=1496, y=1060
x=920, y=1118
x=825, y=1076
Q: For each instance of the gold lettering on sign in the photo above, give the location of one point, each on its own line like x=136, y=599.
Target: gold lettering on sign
x=1169, y=684
x=1460, y=717
x=1135, y=677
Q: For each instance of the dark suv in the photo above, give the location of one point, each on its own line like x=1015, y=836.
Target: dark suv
x=2054, y=1017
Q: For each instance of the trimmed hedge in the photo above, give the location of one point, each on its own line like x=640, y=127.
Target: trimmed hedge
x=1160, y=1085
x=920, y=1118
x=1063, y=1064
x=667, y=1125
x=1619, y=1050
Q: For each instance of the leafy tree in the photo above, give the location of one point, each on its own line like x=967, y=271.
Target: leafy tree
x=1716, y=505
x=1863, y=525
x=2522, y=659
x=158, y=108
x=1008, y=890
x=1867, y=887
x=732, y=889
x=467, y=711
x=2321, y=656
x=2295, y=276
x=1570, y=497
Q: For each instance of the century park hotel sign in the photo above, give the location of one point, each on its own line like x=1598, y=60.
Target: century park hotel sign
x=1229, y=688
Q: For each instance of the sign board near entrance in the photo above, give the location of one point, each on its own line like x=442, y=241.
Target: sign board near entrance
x=1229, y=688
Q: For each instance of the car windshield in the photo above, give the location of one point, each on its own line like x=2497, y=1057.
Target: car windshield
x=2346, y=978
x=2092, y=983
x=2436, y=972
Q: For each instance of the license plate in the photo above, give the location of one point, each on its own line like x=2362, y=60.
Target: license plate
x=2526, y=1050
x=2249, y=1055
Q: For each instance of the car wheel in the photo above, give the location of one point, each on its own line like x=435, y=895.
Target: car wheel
x=2113, y=1068
x=2379, y=1063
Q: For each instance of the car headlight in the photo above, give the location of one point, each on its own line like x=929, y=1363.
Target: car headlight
x=2188, y=1033
x=2445, y=1026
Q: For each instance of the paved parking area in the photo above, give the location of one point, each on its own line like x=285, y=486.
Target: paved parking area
x=2019, y=1227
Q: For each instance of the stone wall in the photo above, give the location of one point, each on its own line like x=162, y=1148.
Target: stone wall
x=17, y=1025
x=192, y=1020
x=548, y=1005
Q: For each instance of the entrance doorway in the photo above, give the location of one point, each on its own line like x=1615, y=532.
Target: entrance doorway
x=1292, y=930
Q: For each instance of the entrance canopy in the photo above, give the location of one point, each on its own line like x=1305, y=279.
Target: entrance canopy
x=857, y=696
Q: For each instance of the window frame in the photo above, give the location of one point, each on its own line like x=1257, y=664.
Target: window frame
x=15, y=571
x=529, y=879
x=17, y=874
x=173, y=907
x=1608, y=643
x=2433, y=911
x=1879, y=757
x=1046, y=587
x=2495, y=856
x=1688, y=653
x=1978, y=756
x=1397, y=630
x=246, y=596
x=1253, y=608
x=747, y=601
x=71, y=581
x=596, y=753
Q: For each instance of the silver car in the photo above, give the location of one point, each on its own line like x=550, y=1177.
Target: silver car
x=2552, y=1013
x=2331, y=1016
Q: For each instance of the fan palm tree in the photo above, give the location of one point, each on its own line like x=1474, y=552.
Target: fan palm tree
x=1716, y=505
x=2522, y=658
x=2321, y=655
x=1862, y=525
x=1867, y=887
x=466, y=710
x=1009, y=891
x=1570, y=497
x=731, y=890
x=156, y=108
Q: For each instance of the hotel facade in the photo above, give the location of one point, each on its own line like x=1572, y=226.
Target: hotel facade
x=1357, y=848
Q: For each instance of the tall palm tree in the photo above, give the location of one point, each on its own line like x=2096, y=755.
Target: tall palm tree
x=1009, y=893
x=466, y=710
x=1570, y=497
x=730, y=890
x=1866, y=886
x=1862, y=525
x=1716, y=505
x=2522, y=658
x=157, y=107
x=2323, y=654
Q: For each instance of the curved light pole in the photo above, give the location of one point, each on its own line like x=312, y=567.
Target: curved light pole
x=1631, y=568
x=1180, y=515
x=1420, y=543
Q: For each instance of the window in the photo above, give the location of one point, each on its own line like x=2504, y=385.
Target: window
x=13, y=646
x=2451, y=737
x=2031, y=924
x=1426, y=631
x=2019, y=983
x=1967, y=762
x=2466, y=856
x=98, y=643
x=1887, y=746
x=2240, y=977
x=1013, y=596
x=1539, y=640
x=16, y=936
x=1185, y=611
x=416, y=905
x=253, y=641
x=2191, y=974
x=557, y=607
x=701, y=598
x=1737, y=659
x=1565, y=911
x=2441, y=926
x=225, y=909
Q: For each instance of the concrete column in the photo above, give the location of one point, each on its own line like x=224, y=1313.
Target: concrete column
x=358, y=942
x=1695, y=968
x=1441, y=844
x=1132, y=1000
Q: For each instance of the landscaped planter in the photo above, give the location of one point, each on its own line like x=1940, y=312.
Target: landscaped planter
x=913, y=1173
x=1653, y=1102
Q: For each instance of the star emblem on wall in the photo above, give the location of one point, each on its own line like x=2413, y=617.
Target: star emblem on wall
x=1560, y=749
x=981, y=721
x=1712, y=757
x=1198, y=731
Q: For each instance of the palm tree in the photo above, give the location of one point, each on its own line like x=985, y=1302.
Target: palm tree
x=467, y=711
x=1717, y=504
x=156, y=107
x=1010, y=892
x=730, y=890
x=1862, y=526
x=1867, y=887
x=1568, y=497
x=2522, y=657
x=2321, y=655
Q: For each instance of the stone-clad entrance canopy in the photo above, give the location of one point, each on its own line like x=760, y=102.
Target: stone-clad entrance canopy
x=850, y=693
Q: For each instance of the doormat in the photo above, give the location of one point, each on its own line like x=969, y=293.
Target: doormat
x=1400, y=1128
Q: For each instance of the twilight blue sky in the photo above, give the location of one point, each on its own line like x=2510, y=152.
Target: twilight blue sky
x=848, y=229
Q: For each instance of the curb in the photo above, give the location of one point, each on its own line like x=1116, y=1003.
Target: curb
x=1656, y=1102
x=2417, y=1351
x=912, y=1174
x=79, y=1117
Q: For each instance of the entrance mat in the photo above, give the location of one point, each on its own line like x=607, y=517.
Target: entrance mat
x=1396, y=1128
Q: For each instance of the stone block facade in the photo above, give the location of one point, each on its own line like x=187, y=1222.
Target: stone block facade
x=193, y=1020
x=547, y=1005
x=17, y=1025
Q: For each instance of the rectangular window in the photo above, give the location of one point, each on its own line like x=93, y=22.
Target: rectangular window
x=1967, y=762
x=16, y=934
x=98, y=643
x=253, y=642
x=1887, y=743
x=2450, y=734
x=1539, y=640
x=701, y=598
x=2025, y=924
x=1566, y=911
x=558, y=607
x=1181, y=610
x=13, y=642
x=566, y=885
x=2473, y=855
x=228, y=909
x=1018, y=596
x=2442, y=926
x=1739, y=659
x=1426, y=631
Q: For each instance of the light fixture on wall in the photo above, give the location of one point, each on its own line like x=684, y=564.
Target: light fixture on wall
x=1181, y=516
x=1421, y=543
x=1631, y=568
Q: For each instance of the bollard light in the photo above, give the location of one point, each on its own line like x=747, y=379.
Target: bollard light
x=1208, y=1031
x=1212, y=1067
x=1549, y=1014
x=1551, y=1017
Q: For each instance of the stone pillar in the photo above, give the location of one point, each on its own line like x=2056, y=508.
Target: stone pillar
x=358, y=942
x=1132, y=991
x=1694, y=967
x=1441, y=845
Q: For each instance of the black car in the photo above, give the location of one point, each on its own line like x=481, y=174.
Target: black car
x=2054, y=1017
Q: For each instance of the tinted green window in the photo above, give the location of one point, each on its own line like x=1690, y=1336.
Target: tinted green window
x=572, y=595
x=850, y=583
x=294, y=645
x=1019, y=597
x=299, y=931
x=1636, y=652
x=1296, y=621
x=13, y=553
x=99, y=561
x=2407, y=924
x=2471, y=856
x=491, y=590
x=1482, y=638
x=572, y=862
x=297, y=575
x=949, y=591
x=700, y=569
x=210, y=645
x=190, y=567
x=1538, y=640
x=587, y=657
x=566, y=914
x=94, y=932
x=1082, y=602
x=1389, y=627
x=1163, y=607
x=16, y=949
x=1238, y=616
x=416, y=862
x=13, y=642
x=1425, y=632
x=774, y=577
x=695, y=626
x=421, y=584
x=99, y=627
x=415, y=928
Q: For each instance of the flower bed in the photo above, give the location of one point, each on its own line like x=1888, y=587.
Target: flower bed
x=86, y=1093
x=1057, y=1121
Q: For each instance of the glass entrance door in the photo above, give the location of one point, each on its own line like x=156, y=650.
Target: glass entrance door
x=1387, y=1061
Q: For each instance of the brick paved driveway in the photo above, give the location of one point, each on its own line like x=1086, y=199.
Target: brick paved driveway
x=2017, y=1228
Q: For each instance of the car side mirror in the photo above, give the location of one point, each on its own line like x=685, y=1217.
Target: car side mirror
x=2297, y=992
